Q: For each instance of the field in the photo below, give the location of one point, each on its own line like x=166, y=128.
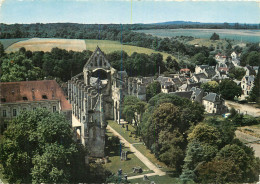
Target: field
x=7, y=42
x=46, y=44
x=221, y=44
x=110, y=46
x=239, y=35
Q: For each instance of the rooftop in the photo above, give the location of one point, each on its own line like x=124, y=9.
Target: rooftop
x=28, y=91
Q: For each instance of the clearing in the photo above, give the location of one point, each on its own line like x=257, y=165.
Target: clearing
x=46, y=44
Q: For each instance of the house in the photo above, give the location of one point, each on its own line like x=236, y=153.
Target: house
x=197, y=94
x=198, y=77
x=167, y=84
x=247, y=84
x=214, y=104
x=234, y=55
x=29, y=95
x=200, y=68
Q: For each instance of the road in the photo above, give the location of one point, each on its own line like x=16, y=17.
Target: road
x=243, y=108
x=139, y=155
x=252, y=141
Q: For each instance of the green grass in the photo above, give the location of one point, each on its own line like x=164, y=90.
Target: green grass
x=140, y=147
x=123, y=132
x=7, y=42
x=126, y=166
x=108, y=46
x=160, y=180
x=146, y=152
x=207, y=43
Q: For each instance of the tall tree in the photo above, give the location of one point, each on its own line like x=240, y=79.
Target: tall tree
x=254, y=94
x=38, y=147
x=229, y=89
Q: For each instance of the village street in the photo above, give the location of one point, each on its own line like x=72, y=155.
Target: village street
x=139, y=155
x=243, y=108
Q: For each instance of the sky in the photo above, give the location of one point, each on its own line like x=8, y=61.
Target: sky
x=127, y=12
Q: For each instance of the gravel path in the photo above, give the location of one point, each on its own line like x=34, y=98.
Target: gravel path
x=249, y=138
x=243, y=108
x=139, y=155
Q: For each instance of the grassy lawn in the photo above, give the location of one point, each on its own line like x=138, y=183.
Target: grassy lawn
x=140, y=147
x=108, y=46
x=115, y=162
x=123, y=131
x=160, y=180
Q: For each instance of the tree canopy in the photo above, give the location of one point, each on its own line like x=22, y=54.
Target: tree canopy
x=37, y=147
x=229, y=89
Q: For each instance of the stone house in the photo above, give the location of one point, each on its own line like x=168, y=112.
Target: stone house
x=214, y=104
x=247, y=84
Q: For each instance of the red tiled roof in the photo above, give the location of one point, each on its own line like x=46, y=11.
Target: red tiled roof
x=185, y=70
x=13, y=92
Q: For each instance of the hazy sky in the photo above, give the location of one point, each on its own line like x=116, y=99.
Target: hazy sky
x=143, y=11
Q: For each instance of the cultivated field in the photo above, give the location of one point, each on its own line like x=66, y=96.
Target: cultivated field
x=46, y=44
x=110, y=46
x=240, y=35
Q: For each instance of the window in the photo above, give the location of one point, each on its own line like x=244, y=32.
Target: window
x=4, y=113
x=44, y=107
x=34, y=108
x=3, y=100
x=14, y=112
x=54, y=109
x=25, y=98
x=44, y=97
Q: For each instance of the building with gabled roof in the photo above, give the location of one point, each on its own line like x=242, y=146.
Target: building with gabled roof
x=214, y=103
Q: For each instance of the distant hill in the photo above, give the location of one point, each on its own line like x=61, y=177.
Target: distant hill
x=197, y=23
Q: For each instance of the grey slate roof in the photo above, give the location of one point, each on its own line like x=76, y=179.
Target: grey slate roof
x=200, y=76
x=183, y=94
x=212, y=97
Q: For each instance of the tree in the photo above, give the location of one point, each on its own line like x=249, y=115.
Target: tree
x=237, y=73
x=254, y=94
x=214, y=36
x=229, y=89
x=211, y=86
x=18, y=68
x=199, y=59
x=38, y=147
x=152, y=89
x=253, y=58
x=205, y=134
x=219, y=171
x=2, y=50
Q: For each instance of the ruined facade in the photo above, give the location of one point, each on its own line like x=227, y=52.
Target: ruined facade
x=96, y=95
